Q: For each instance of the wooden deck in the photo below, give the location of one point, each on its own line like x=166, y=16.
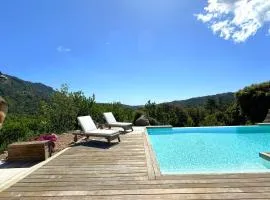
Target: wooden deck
x=127, y=171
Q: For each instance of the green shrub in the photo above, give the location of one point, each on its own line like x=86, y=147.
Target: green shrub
x=13, y=131
x=254, y=101
x=211, y=120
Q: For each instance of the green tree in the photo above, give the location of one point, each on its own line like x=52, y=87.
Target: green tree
x=150, y=109
x=234, y=115
x=60, y=114
x=211, y=120
x=170, y=114
x=254, y=101
x=211, y=105
x=197, y=115
x=83, y=103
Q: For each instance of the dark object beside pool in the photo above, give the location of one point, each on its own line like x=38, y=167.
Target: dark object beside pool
x=142, y=121
x=267, y=118
x=265, y=155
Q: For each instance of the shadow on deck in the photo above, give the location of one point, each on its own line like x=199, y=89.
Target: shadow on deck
x=19, y=164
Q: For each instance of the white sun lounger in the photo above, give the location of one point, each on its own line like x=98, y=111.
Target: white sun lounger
x=89, y=129
x=111, y=121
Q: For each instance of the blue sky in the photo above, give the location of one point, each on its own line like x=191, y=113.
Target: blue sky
x=127, y=51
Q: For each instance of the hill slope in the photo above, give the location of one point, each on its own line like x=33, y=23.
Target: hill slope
x=223, y=98
x=23, y=97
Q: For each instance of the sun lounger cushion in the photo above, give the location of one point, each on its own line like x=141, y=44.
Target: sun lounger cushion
x=120, y=124
x=87, y=123
x=109, y=117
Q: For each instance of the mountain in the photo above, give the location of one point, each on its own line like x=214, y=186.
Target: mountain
x=223, y=98
x=23, y=97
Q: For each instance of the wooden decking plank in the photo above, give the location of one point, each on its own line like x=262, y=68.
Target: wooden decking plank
x=112, y=162
x=98, y=163
x=254, y=190
x=98, y=168
x=132, y=187
x=230, y=196
x=89, y=172
x=128, y=182
x=140, y=160
x=34, y=180
x=104, y=169
x=110, y=157
x=144, y=183
x=104, y=158
x=100, y=156
x=99, y=175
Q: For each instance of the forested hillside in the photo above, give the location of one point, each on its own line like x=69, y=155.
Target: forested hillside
x=23, y=97
x=223, y=98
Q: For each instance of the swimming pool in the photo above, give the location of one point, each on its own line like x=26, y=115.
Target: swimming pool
x=233, y=149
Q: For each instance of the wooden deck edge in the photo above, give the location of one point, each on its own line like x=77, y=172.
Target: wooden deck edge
x=23, y=174
x=151, y=159
x=150, y=169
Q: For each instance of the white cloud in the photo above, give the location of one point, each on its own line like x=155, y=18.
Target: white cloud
x=62, y=49
x=236, y=20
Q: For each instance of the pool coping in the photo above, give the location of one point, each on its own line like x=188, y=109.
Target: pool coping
x=152, y=164
x=161, y=126
x=155, y=173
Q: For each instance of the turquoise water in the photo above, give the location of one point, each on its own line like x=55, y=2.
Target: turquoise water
x=211, y=149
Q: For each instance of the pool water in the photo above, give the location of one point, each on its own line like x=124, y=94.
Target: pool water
x=211, y=149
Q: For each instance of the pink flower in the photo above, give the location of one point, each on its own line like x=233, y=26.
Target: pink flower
x=52, y=137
